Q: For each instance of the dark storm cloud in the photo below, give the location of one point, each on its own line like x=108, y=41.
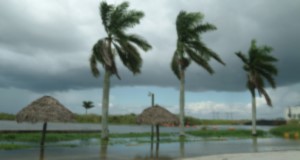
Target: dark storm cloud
x=28, y=30
x=63, y=33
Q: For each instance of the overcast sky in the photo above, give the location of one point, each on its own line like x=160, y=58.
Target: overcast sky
x=45, y=46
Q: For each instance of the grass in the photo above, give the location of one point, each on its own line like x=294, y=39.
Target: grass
x=123, y=138
x=13, y=146
x=7, y=116
x=55, y=137
x=50, y=137
x=225, y=133
x=290, y=128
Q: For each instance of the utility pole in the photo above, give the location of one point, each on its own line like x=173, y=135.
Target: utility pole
x=152, y=126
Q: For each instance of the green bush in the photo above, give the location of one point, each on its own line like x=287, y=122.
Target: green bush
x=290, y=128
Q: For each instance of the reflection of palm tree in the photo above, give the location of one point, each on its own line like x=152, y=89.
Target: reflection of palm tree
x=41, y=152
x=259, y=67
x=87, y=105
x=103, y=150
x=182, y=149
x=190, y=48
x=116, y=19
x=254, y=144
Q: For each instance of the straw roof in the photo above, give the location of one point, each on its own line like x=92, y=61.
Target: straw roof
x=156, y=115
x=45, y=109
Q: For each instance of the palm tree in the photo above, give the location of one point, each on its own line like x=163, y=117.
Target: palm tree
x=190, y=48
x=116, y=19
x=87, y=105
x=259, y=67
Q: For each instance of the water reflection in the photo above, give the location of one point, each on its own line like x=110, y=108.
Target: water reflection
x=103, y=150
x=181, y=148
x=156, y=150
x=156, y=158
x=254, y=144
x=42, y=152
x=152, y=157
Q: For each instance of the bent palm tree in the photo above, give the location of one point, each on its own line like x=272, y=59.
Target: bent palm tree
x=87, y=105
x=116, y=19
x=190, y=48
x=259, y=67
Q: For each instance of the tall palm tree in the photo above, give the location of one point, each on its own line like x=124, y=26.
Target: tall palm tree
x=87, y=105
x=190, y=48
x=259, y=67
x=116, y=19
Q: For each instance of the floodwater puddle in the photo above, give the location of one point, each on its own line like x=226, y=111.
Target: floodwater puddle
x=124, y=148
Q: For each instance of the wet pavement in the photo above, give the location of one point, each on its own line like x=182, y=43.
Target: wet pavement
x=278, y=155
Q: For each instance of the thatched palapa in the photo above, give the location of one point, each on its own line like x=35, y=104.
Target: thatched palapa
x=44, y=109
x=156, y=115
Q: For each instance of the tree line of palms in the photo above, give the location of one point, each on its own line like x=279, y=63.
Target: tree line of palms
x=116, y=19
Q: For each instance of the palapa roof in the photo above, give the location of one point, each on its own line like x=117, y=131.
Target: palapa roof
x=156, y=115
x=45, y=109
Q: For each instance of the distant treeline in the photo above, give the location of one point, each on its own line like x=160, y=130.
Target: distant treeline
x=7, y=116
x=131, y=119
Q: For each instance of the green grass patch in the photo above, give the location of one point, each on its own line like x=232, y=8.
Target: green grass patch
x=137, y=135
x=7, y=116
x=290, y=128
x=55, y=137
x=225, y=133
x=13, y=146
x=50, y=137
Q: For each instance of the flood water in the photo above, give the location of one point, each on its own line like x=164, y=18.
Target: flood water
x=92, y=149
x=165, y=151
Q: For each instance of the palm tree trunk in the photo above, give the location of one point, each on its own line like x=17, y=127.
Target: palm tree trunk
x=253, y=114
x=44, y=133
x=181, y=102
x=105, y=105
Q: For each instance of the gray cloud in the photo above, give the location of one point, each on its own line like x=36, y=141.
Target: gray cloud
x=49, y=50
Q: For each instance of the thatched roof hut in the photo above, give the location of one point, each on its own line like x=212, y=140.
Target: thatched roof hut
x=44, y=109
x=156, y=115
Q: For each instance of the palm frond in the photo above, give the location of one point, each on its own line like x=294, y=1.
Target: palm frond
x=130, y=19
x=116, y=16
x=206, y=52
x=175, y=65
x=139, y=41
x=105, y=11
x=242, y=57
x=199, y=60
x=265, y=94
x=205, y=27
x=268, y=77
x=101, y=51
x=186, y=23
x=267, y=67
x=93, y=66
x=129, y=56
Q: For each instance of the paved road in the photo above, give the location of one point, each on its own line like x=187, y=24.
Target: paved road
x=278, y=155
